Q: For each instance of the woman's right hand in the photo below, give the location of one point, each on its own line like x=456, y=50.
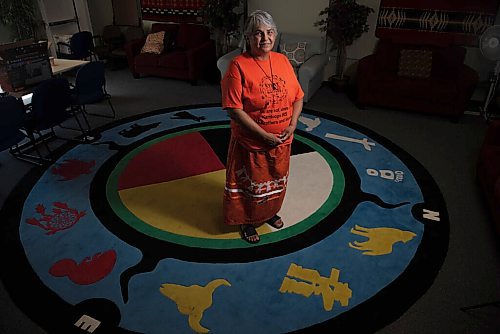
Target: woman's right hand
x=271, y=139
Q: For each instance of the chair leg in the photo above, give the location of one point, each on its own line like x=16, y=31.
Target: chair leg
x=45, y=143
x=111, y=106
x=85, y=133
x=89, y=127
x=75, y=110
x=113, y=112
x=19, y=152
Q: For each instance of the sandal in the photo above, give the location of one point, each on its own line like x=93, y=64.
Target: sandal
x=275, y=222
x=247, y=232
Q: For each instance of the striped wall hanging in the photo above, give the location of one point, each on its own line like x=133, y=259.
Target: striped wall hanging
x=450, y=22
x=172, y=10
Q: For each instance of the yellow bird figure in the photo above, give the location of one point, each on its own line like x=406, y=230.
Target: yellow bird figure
x=193, y=300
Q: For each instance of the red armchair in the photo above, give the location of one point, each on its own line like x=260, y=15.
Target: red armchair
x=444, y=85
x=488, y=171
x=190, y=57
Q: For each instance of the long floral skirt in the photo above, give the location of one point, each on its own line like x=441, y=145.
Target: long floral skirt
x=256, y=183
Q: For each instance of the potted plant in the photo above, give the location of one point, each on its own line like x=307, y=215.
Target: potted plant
x=220, y=16
x=20, y=17
x=345, y=22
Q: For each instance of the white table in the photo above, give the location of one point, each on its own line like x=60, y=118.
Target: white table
x=60, y=66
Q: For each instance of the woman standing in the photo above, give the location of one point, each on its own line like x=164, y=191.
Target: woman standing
x=263, y=98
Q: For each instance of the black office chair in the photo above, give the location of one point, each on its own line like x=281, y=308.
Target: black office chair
x=81, y=47
x=12, y=120
x=111, y=39
x=90, y=88
x=50, y=107
x=118, y=56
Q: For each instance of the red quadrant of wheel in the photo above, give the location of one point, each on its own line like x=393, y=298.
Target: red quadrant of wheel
x=171, y=159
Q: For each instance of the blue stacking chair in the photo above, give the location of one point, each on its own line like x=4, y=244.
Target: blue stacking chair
x=81, y=46
x=12, y=121
x=90, y=87
x=50, y=107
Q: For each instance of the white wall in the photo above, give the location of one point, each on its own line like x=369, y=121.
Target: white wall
x=101, y=14
x=293, y=16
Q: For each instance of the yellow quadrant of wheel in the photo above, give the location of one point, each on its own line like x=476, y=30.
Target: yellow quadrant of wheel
x=192, y=206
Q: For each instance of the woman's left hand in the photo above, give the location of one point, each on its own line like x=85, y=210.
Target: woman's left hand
x=287, y=133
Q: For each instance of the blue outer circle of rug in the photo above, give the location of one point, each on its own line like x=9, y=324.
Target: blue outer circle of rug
x=370, y=256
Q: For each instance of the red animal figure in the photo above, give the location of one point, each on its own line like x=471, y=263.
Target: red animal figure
x=89, y=271
x=72, y=168
x=61, y=218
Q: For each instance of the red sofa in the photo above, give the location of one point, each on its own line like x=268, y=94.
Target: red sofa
x=191, y=57
x=488, y=171
x=446, y=90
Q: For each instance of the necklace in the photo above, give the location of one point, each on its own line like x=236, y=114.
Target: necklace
x=273, y=84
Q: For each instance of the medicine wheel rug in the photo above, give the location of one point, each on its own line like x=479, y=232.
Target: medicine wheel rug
x=125, y=235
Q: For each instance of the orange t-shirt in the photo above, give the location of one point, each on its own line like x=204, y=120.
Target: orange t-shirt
x=248, y=85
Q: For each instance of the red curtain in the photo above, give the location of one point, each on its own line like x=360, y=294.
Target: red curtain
x=171, y=10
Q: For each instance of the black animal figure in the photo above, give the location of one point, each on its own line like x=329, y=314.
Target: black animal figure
x=136, y=129
x=187, y=115
x=111, y=145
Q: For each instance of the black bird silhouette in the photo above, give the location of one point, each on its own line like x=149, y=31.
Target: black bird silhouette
x=136, y=129
x=111, y=145
x=187, y=115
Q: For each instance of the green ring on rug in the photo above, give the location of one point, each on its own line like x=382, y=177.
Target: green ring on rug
x=123, y=212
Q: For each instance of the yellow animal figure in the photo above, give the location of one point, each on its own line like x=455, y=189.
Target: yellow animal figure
x=305, y=282
x=193, y=300
x=380, y=240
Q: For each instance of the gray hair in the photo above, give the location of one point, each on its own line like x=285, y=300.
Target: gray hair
x=256, y=18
